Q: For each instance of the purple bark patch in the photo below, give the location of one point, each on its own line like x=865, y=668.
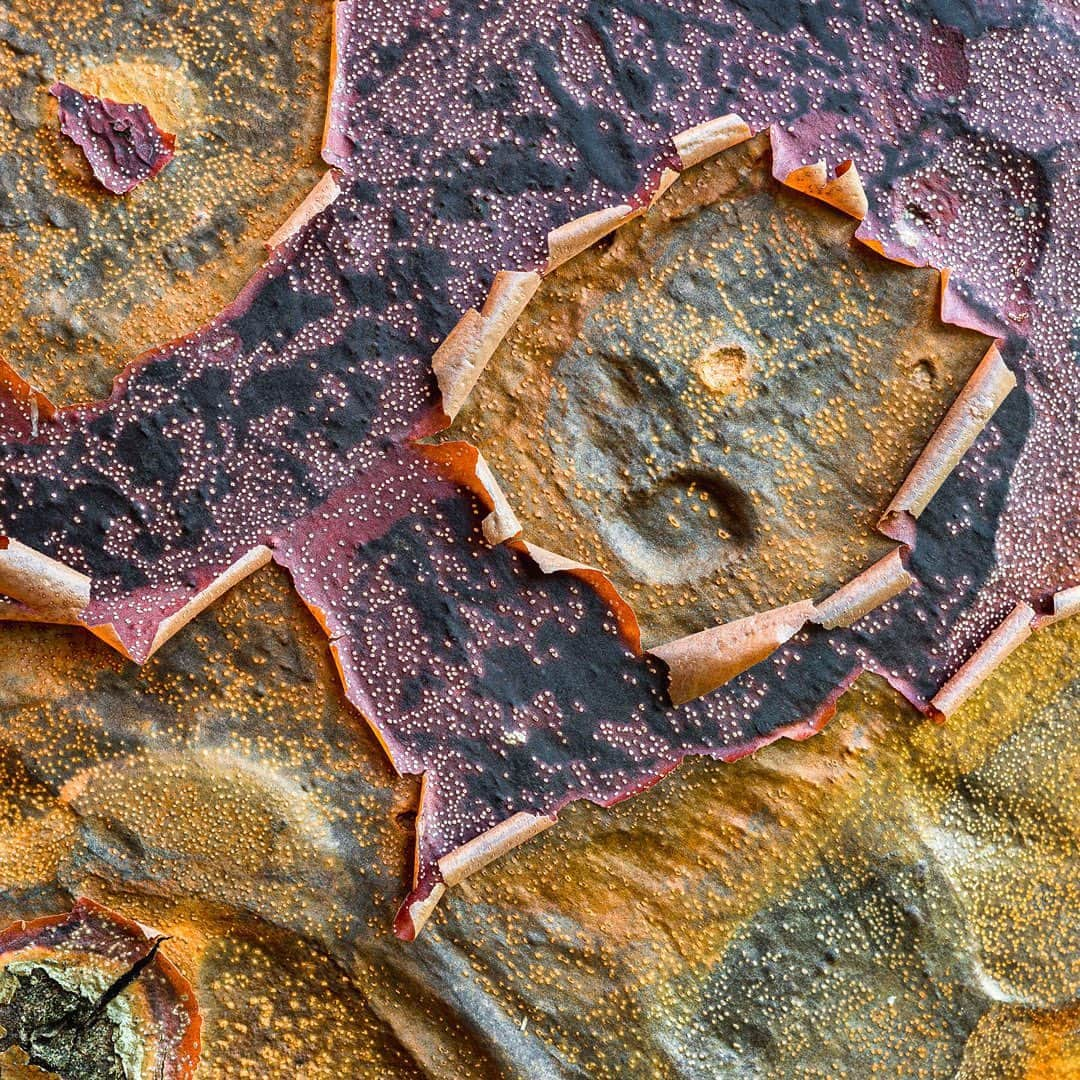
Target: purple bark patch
x=121, y=142
x=508, y=688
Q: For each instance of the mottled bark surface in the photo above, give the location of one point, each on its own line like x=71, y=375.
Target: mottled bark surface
x=889, y=893
x=714, y=405
x=89, y=280
x=890, y=896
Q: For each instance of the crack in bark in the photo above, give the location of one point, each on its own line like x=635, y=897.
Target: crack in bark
x=52, y=1042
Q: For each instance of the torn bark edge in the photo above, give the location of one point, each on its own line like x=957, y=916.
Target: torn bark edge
x=702, y=662
x=989, y=385
x=473, y=855
x=314, y=202
x=246, y=565
x=464, y=465
x=697, y=144
x=479, y=852
x=460, y=360
x=62, y=594
x=865, y=592
x=456, y=865
x=551, y=562
x=843, y=190
x=575, y=236
x=957, y=311
x=413, y=915
x=1063, y=604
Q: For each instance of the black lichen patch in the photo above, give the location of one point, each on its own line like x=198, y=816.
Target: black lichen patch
x=60, y=1029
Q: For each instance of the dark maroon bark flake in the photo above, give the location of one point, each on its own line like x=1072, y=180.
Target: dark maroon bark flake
x=513, y=690
x=121, y=141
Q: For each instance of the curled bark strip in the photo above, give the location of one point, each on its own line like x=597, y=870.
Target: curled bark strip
x=998, y=645
x=315, y=202
x=1067, y=602
x=16, y=611
x=885, y=579
x=703, y=141
x=466, y=860
x=473, y=856
x=575, y=236
x=987, y=388
x=502, y=523
x=247, y=564
x=551, y=562
x=843, y=190
x=460, y=360
x=701, y=662
x=48, y=587
x=957, y=311
x=22, y=407
x=413, y=917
